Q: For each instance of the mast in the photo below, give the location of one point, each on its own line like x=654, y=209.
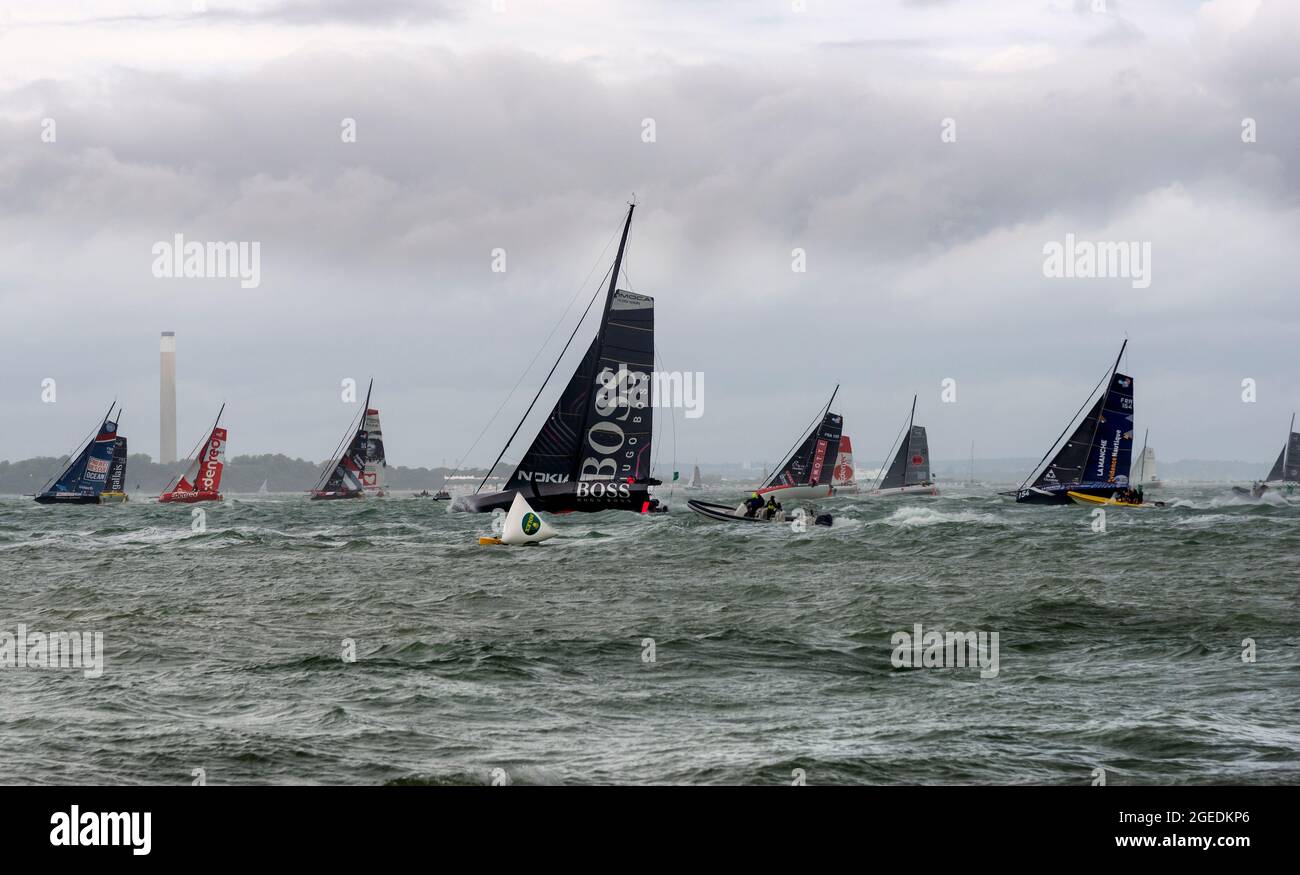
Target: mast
x=971, y=480
x=600, y=330
x=1143, y=457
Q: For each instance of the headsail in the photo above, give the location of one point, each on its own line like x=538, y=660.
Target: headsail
x=1100, y=450
x=813, y=462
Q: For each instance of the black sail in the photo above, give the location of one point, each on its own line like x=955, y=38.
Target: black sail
x=550, y=458
x=117, y=467
x=616, y=438
x=1067, y=465
x=600, y=428
x=1287, y=466
x=1100, y=451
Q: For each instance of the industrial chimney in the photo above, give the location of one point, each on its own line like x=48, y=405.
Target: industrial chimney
x=167, y=400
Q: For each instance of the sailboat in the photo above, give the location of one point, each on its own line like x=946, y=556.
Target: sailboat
x=115, y=487
x=842, y=480
x=262, y=490
x=1095, y=458
x=695, y=482
x=809, y=470
x=359, y=471
x=909, y=473
x=84, y=479
x=1144, y=473
x=593, y=451
x=202, y=478
x=1285, y=473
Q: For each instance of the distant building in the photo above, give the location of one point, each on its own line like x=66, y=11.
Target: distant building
x=167, y=399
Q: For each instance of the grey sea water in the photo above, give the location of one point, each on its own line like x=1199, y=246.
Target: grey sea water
x=1120, y=650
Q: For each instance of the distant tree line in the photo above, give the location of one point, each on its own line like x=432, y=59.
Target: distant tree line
x=242, y=474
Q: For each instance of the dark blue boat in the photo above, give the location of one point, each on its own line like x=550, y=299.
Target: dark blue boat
x=87, y=474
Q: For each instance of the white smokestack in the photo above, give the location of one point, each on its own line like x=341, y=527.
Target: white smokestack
x=167, y=399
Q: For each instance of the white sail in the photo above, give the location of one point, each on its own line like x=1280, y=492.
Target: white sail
x=695, y=482
x=523, y=525
x=262, y=490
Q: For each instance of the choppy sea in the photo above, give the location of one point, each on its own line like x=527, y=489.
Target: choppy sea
x=662, y=649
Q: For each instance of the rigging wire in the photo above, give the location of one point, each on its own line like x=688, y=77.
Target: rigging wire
x=524, y=373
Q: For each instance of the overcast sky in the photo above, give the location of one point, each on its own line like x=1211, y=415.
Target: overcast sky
x=519, y=125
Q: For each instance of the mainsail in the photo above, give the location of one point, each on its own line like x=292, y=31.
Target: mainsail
x=593, y=450
x=813, y=461
x=359, y=471
x=695, y=482
x=1287, y=467
x=86, y=475
x=202, y=478
x=117, y=467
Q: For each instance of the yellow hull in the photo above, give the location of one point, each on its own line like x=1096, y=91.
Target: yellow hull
x=1098, y=501
x=112, y=497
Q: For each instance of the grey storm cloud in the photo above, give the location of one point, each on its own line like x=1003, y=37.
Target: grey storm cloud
x=924, y=257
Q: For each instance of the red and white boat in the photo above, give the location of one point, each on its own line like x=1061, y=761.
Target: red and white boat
x=202, y=479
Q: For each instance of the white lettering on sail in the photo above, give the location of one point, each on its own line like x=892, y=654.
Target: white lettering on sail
x=618, y=393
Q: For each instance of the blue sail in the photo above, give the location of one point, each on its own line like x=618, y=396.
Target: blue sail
x=86, y=476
